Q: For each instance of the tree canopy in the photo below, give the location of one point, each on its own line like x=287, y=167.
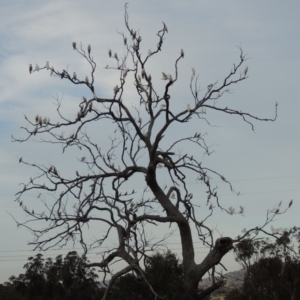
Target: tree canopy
x=272, y=268
x=163, y=271
x=56, y=280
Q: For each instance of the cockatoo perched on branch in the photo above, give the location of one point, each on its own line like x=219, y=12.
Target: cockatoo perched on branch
x=231, y=210
x=209, y=87
x=165, y=76
x=166, y=28
x=125, y=72
x=116, y=89
x=275, y=230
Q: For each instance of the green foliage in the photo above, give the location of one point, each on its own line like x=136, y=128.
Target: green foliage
x=270, y=278
x=244, y=251
x=162, y=271
x=263, y=280
x=64, y=279
x=7, y=292
x=275, y=271
x=55, y=280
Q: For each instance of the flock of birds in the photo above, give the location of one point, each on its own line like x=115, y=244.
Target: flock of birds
x=231, y=210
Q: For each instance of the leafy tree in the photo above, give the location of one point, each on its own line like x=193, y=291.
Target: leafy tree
x=101, y=193
x=163, y=272
x=61, y=279
x=290, y=276
x=263, y=279
x=7, y=292
x=269, y=278
x=235, y=294
x=272, y=268
x=77, y=280
x=246, y=251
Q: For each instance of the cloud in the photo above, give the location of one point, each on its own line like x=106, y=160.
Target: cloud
x=36, y=32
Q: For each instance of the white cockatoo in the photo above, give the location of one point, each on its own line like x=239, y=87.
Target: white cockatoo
x=231, y=210
x=125, y=72
x=116, y=89
x=165, y=76
x=275, y=230
x=166, y=28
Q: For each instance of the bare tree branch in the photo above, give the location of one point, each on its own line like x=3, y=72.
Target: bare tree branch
x=101, y=191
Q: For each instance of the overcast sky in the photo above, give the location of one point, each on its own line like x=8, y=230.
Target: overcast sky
x=262, y=164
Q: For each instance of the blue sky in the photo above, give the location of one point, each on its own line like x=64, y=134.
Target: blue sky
x=262, y=165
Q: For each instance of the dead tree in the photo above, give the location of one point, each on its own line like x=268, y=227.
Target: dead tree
x=104, y=196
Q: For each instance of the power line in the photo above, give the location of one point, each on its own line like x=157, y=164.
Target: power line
x=234, y=180
x=22, y=260
x=202, y=196
x=78, y=248
x=52, y=254
x=89, y=257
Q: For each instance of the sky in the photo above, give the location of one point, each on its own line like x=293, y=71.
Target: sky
x=262, y=165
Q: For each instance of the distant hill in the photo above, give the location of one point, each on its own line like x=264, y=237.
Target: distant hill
x=233, y=280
